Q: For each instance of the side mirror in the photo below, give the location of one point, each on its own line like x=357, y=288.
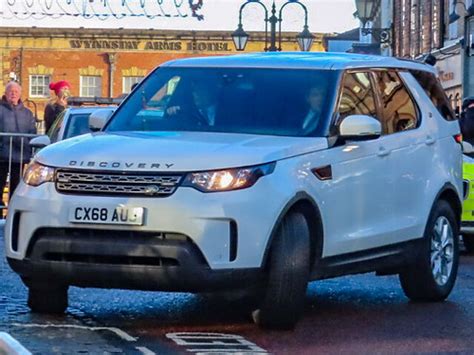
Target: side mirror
x=467, y=148
x=99, y=118
x=40, y=142
x=360, y=127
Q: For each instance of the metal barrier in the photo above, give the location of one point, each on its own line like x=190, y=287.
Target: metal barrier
x=24, y=137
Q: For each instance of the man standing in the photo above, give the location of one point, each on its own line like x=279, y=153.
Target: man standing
x=467, y=119
x=14, y=118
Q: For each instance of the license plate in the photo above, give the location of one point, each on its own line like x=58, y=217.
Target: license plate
x=107, y=215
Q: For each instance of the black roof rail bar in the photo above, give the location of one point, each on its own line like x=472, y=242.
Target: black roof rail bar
x=96, y=100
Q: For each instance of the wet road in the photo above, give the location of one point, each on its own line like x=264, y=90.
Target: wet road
x=357, y=314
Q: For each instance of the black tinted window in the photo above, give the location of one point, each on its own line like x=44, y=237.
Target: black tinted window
x=232, y=100
x=435, y=92
x=399, y=112
x=357, y=97
x=77, y=124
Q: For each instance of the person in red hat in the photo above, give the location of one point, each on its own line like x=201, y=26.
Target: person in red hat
x=58, y=104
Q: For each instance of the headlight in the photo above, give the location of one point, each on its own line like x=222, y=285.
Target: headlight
x=229, y=179
x=37, y=174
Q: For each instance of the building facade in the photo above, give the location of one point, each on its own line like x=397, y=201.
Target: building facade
x=105, y=63
x=422, y=27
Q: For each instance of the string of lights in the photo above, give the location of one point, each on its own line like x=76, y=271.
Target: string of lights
x=101, y=9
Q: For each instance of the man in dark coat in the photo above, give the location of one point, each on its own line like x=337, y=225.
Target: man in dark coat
x=14, y=118
x=467, y=119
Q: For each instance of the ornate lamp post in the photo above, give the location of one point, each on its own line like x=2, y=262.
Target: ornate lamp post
x=366, y=12
x=305, y=38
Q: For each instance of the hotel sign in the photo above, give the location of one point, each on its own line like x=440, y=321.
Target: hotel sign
x=163, y=45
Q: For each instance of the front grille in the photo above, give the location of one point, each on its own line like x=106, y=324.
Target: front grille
x=122, y=184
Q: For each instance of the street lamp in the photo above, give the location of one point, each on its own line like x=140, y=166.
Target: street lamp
x=305, y=38
x=366, y=12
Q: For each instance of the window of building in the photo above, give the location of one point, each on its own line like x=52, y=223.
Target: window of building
x=436, y=93
x=357, y=97
x=399, y=112
x=128, y=82
x=453, y=27
x=414, y=29
x=91, y=86
x=39, y=85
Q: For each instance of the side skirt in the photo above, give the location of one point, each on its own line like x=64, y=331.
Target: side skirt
x=386, y=260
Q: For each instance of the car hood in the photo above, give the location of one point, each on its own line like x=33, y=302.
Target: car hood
x=173, y=151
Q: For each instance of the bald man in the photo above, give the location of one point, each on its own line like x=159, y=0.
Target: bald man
x=14, y=118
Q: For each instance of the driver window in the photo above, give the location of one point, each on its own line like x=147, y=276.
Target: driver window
x=357, y=96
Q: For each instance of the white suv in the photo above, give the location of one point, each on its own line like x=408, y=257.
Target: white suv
x=259, y=171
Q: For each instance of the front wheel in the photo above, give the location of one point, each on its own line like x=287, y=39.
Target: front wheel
x=47, y=299
x=288, y=274
x=432, y=276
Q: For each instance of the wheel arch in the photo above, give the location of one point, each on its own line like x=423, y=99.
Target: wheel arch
x=305, y=204
x=449, y=194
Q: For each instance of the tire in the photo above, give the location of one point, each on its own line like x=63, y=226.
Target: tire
x=288, y=272
x=468, y=240
x=432, y=281
x=52, y=300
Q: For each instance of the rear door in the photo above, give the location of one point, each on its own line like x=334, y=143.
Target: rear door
x=410, y=143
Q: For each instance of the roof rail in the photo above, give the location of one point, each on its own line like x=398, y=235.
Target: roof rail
x=96, y=100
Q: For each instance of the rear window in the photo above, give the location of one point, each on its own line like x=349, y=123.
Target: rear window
x=435, y=91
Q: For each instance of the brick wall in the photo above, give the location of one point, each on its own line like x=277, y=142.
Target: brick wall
x=418, y=26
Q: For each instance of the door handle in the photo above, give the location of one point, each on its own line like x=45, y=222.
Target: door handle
x=429, y=140
x=383, y=152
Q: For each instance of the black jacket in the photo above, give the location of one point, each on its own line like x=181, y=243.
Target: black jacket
x=51, y=111
x=467, y=125
x=15, y=119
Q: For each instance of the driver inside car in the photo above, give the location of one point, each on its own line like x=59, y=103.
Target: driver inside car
x=202, y=107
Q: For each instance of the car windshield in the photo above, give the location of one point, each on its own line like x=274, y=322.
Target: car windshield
x=231, y=100
x=77, y=124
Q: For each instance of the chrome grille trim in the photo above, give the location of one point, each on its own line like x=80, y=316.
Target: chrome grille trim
x=117, y=183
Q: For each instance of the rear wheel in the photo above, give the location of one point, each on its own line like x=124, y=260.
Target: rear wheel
x=432, y=276
x=288, y=273
x=47, y=299
x=468, y=240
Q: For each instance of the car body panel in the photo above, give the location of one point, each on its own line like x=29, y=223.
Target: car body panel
x=174, y=151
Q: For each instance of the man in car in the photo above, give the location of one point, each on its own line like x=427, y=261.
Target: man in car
x=202, y=110
x=14, y=118
x=314, y=98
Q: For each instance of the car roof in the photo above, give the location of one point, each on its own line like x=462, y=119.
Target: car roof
x=301, y=60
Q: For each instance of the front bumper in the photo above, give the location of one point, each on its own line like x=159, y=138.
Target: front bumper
x=190, y=241
x=143, y=261
x=467, y=227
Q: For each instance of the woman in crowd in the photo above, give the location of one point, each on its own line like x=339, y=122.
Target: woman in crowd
x=58, y=104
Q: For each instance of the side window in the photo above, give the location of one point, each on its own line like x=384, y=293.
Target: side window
x=399, y=112
x=435, y=92
x=357, y=96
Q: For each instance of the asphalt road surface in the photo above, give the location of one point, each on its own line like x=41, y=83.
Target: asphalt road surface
x=356, y=314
